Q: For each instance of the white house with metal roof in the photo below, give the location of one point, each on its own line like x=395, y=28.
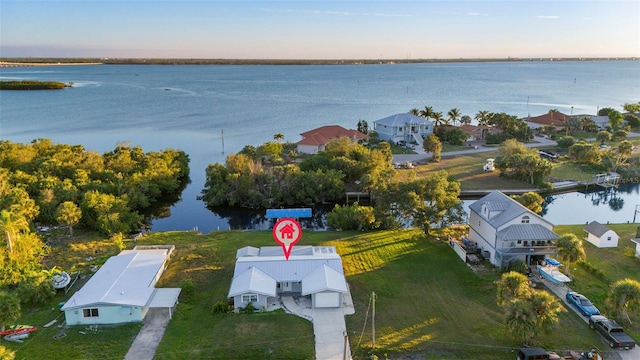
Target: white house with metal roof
x=123, y=289
x=403, y=127
x=262, y=274
x=601, y=235
x=505, y=231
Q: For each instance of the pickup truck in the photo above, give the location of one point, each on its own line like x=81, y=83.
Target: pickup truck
x=612, y=332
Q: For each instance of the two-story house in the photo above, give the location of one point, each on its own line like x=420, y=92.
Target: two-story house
x=506, y=231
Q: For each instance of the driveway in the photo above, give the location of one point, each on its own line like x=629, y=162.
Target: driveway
x=146, y=342
x=329, y=327
x=561, y=291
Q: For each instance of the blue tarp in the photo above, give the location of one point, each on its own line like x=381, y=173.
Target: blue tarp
x=288, y=213
x=552, y=262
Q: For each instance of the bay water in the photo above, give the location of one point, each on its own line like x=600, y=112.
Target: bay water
x=212, y=111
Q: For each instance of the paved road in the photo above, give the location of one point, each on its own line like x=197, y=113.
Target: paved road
x=401, y=158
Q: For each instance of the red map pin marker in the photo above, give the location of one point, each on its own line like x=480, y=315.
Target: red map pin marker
x=287, y=232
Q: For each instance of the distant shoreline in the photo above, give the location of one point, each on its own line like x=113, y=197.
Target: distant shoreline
x=25, y=62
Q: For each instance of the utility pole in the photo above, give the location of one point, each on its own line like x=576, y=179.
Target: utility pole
x=346, y=341
x=373, y=324
x=222, y=134
x=636, y=211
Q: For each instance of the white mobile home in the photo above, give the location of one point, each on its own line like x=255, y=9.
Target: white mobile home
x=123, y=289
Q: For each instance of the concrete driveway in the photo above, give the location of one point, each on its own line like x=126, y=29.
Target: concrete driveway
x=329, y=327
x=146, y=342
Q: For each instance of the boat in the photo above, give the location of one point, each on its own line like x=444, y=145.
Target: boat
x=61, y=279
x=13, y=329
x=489, y=165
x=18, y=336
x=551, y=271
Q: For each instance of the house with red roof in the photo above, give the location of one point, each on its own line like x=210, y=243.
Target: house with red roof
x=479, y=132
x=314, y=141
x=552, y=118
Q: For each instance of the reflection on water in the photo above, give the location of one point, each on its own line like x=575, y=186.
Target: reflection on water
x=610, y=205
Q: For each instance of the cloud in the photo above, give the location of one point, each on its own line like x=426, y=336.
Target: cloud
x=546, y=17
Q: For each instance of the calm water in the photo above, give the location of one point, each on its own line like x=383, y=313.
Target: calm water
x=187, y=107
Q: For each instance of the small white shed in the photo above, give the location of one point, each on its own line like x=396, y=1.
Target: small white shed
x=601, y=235
x=637, y=242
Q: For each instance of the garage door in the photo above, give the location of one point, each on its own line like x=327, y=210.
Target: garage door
x=327, y=299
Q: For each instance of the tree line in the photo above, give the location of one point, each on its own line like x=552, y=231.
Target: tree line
x=46, y=183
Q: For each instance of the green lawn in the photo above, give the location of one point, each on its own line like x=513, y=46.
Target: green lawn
x=428, y=302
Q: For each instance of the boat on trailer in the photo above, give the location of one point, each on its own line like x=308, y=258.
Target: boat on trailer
x=551, y=271
x=15, y=329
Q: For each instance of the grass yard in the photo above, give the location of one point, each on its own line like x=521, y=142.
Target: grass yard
x=428, y=302
x=468, y=170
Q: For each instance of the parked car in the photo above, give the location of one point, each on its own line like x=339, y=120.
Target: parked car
x=582, y=303
x=612, y=332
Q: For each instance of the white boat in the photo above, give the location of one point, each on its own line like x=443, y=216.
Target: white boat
x=61, y=280
x=551, y=271
x=489, y=165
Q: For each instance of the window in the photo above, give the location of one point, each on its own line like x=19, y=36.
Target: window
x=525, y=219
x=250, y=298
x=609, y=238
x=519, y=242
x=90, y=312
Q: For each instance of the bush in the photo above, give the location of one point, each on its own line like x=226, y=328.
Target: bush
x=249, y=309
x=565, y=142
x=188, y=288
x=221, y=307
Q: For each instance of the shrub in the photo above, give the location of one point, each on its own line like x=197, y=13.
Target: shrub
x=188, y=288
x=221, y=307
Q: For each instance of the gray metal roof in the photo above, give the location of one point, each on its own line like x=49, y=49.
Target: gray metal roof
x=322, y=279
x=124, y=279
x=253, y=280
x=306, y=264
x=504, y=208
x=596, y=228
x=526, y=232
x=402, y=120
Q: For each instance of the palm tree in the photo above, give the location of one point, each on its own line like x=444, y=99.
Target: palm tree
x=482, y=117
x=454, y=114
x=11, y=225
x=625, y=294
x=521, y=320
x=547, y=308
x=68, y=213
x=512, y=285
x=570, y=249
x=414, y=111
x=437, y=118
x=278, y=137
x=427, y=112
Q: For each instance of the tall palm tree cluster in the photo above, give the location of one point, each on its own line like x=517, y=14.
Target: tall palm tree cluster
x=454, y=116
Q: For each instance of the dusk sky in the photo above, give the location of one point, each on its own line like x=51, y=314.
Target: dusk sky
x=319, y=29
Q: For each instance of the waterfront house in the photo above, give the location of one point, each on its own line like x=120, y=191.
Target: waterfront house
x=552, y=118
x=478, y=132
x=404, y=127
x=261, y=275
x=601, y=235
x=314, y=141
x=123, y=289
x=505, y=231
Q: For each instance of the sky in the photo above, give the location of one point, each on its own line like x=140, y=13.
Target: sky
x=329, y=29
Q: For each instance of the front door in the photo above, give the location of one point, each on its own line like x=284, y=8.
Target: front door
x=286, y=286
